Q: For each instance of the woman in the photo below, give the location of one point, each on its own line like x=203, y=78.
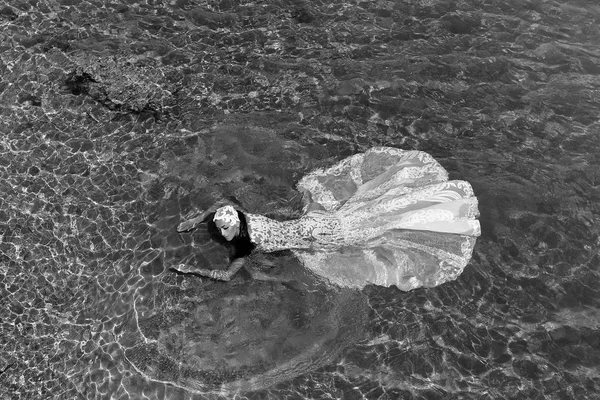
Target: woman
x=231, y=225
x=385, y=217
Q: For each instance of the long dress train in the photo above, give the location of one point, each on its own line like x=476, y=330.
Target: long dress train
x=391, y=218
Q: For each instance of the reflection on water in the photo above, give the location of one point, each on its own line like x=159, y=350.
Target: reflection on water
x=117, y=119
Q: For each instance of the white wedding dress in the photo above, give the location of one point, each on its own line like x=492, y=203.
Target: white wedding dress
x=391, y=218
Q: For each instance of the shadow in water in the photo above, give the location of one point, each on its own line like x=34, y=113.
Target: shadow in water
x=223, y=338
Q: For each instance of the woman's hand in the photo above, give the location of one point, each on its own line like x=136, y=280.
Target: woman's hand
x=185, y=268
x=190, y=224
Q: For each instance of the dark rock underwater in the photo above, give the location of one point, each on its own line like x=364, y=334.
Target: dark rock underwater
x=119, y=118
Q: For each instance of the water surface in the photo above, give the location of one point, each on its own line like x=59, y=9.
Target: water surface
x=118, y=119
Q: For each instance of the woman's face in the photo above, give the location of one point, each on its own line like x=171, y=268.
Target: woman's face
x=228, y=231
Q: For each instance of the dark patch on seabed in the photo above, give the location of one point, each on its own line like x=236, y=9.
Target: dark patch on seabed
x=118, y=118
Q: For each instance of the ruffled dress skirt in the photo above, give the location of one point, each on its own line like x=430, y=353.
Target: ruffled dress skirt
x=401, y=221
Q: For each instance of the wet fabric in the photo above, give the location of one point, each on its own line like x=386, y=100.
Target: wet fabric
x=391, y=217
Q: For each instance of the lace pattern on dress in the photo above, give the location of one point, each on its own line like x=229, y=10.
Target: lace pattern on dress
x=393, y=218
x=315, y=230
x=319, y=182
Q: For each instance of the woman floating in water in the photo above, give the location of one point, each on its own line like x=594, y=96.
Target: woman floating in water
x=384, y=217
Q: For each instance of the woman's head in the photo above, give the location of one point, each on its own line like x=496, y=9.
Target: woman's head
x=230, y=225
x=227, y=221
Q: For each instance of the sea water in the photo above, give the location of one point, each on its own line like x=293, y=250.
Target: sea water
x=119, y=119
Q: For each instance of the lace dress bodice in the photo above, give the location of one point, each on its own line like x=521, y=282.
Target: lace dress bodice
x=315, y=230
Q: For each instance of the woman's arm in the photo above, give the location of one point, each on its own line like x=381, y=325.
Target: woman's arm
x=191, y=223
x=220, y=275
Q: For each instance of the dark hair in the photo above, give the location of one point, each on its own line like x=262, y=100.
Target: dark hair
x=240, y=246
